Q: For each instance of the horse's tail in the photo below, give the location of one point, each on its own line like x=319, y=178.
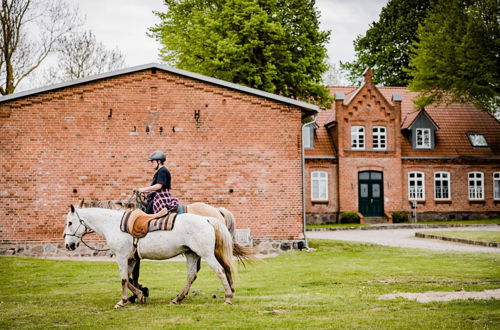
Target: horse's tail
x=241, y=252
x=229, y=219
x=223, y=245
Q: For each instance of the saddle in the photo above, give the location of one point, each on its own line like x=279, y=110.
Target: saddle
x=138, y=223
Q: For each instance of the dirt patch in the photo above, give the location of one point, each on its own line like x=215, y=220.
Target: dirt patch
x=431, y=296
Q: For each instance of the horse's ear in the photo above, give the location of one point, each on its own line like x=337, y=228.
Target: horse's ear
x=72, y=208
x=81, y=203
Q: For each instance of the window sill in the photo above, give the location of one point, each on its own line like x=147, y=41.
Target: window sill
x=442, y=201
x=482, y=201
x=418, y=201
x=320, y=202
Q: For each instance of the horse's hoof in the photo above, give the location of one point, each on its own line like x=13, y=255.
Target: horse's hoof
x=228, y=302
x=120, y=304
x=145, y=291
x=174, y=301
x=132, y=299
x=142, y=298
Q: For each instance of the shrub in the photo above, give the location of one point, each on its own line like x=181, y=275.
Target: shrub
x=349, y=217
x=399, y=216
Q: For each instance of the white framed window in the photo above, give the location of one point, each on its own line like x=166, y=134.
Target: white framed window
x=416, y=186
x=319, y=186
x=496, y=185
x=308, y=137
x=442, y=186
x=476, y=185
x=423, y=138
x=379, y=138
x=357, y=137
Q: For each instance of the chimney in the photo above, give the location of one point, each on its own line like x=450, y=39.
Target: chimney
x=368, y=75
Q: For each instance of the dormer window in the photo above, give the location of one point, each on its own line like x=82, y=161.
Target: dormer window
x=477, y=140
x=423, y=138
x=421, y=129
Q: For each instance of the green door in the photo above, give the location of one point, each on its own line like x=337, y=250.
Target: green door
x=371, y=193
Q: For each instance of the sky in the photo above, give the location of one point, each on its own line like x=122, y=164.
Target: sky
x=123, y=24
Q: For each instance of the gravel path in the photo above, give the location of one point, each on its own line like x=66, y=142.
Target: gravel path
x=405, y=238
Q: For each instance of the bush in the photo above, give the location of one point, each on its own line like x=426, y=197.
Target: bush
x=399, y=216
x=349, y=217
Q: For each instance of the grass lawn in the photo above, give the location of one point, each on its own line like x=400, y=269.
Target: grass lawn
x=486, y=236
x=462, y=222
x=337, y=286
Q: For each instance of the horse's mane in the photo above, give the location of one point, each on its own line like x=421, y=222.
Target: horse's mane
x=110, y=204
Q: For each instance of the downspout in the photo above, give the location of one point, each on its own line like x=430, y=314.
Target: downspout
x=304, y=178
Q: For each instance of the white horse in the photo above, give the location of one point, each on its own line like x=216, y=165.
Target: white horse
x=194, y=236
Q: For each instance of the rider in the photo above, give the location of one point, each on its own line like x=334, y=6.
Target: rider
x=159, y=192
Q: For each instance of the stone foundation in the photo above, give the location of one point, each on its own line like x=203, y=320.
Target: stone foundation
x=321, y=219
x=50, y=249
x=454, y=216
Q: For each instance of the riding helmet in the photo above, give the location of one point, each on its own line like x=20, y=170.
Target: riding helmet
x=158, y=155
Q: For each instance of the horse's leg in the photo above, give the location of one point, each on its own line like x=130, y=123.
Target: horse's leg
x=124, y=272
x=219, y=270
x=193, y=266
x=133, y=283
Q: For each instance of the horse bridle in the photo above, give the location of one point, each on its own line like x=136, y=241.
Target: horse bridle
x=86, y=232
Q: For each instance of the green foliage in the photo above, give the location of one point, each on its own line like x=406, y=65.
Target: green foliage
x=336, y=287
x=386, y=45
x=399, y=216
x=272, y=45
x=349, y=217
x=457, y=56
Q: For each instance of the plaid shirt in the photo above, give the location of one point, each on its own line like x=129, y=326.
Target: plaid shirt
x=163, y=199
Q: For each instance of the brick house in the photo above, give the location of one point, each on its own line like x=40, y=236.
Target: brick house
x=226, y=145
x=374, y=153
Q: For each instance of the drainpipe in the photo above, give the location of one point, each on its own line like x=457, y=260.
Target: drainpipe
x=304, y=179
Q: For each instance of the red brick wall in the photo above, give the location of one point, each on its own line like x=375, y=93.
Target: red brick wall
x=369, y=108
x=329, y=166
x=459, y=201
x=91, y=141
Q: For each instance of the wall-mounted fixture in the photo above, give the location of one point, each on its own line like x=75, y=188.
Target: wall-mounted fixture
x=110, y=115
x=161, y=129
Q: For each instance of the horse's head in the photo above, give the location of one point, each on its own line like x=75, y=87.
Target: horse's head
x=74, y=230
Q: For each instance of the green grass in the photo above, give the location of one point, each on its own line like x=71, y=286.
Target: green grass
x=462, y=222
x=486, y=236
x=337, y=286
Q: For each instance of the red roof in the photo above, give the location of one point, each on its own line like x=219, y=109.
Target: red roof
x=454, y=122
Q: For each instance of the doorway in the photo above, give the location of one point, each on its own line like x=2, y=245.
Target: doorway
x=371, y=193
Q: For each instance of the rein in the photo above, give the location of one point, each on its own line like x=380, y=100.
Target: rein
x=86, y=232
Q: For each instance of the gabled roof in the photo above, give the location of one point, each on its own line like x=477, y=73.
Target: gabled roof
x=410, y=118
x=244, y=89
x=454, y=122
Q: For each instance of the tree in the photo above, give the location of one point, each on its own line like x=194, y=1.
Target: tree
x=272, y=45
x=80, y=55
x=30, y=30
x=457, y=57
x=333, y=76
x=386, y=45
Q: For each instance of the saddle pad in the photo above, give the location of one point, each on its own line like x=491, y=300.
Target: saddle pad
x=144, y=225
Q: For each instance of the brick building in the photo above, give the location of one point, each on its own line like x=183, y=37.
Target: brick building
x=226, y=145
x=373, y=153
